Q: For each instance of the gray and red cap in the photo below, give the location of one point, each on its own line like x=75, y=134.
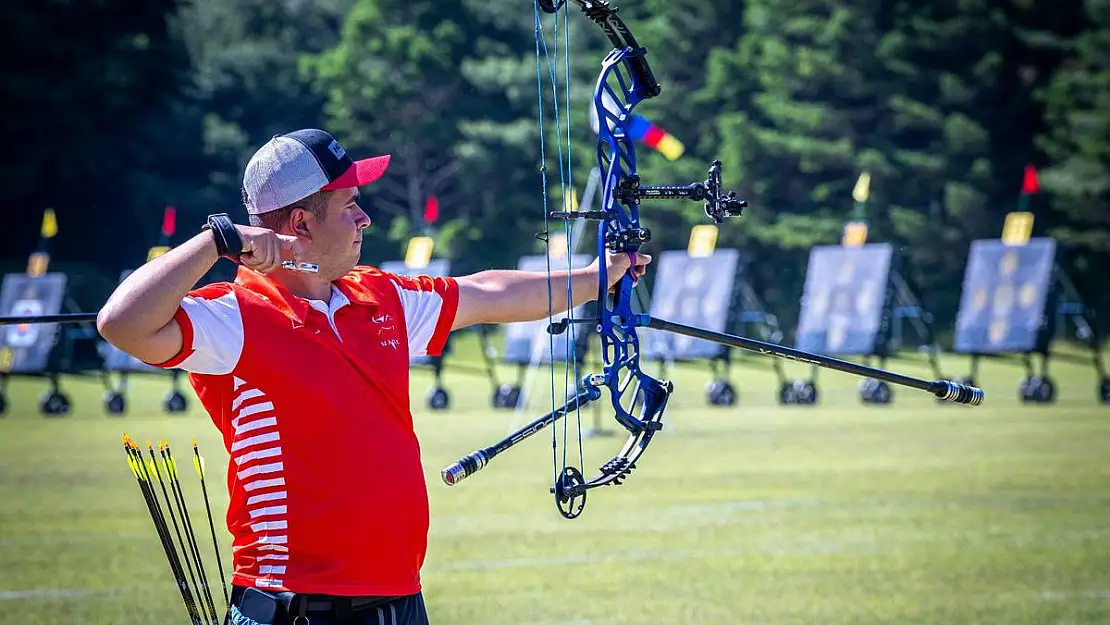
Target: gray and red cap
x=293, y=166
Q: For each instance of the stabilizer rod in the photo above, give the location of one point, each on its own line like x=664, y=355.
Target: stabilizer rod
x=942, y=389
x=473, y=462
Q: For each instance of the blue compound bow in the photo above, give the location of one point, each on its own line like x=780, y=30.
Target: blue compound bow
x=639, y=399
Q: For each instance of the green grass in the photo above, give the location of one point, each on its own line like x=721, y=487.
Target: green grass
x=838, y=514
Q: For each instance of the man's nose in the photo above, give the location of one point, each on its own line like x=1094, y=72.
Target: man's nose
x=363, y=218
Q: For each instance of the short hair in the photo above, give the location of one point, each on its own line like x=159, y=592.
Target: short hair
x=317, y=204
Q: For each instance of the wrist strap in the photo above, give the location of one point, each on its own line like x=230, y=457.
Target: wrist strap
x=228, y=243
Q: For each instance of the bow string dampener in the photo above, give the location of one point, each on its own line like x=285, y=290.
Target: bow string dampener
x=639, y=399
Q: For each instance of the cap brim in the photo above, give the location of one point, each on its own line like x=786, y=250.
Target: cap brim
x=362, y=172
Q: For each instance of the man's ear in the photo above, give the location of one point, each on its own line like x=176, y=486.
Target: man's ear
x=298, y=222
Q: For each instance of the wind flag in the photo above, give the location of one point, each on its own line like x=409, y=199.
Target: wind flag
x=49, y=224
x=643, y=130
x=855, y=229
x=1029, y=186
x=431, y=209
x=169, y=220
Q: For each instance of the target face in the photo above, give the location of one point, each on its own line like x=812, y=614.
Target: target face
x=529, y=341
x=1005, y=289
x=26, y=347
x=692, y=291
x=844, y=298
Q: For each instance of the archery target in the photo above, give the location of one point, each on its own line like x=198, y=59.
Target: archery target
x=436, y=268
x=844, y=298
x=529, y=341
x=692, y=291
x=1005, y=292
x=26, y=347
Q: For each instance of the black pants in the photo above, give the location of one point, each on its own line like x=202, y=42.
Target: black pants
x=408, y=610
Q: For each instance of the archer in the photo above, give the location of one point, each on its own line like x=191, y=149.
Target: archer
x=302, y=364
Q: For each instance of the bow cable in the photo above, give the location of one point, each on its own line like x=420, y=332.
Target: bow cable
x=565, y=186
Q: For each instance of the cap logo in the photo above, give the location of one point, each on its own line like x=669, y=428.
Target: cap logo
x=336, y=149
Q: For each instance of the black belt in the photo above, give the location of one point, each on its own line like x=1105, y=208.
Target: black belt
x=320, y=605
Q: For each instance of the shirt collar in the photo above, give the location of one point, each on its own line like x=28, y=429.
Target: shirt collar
x=296, y=308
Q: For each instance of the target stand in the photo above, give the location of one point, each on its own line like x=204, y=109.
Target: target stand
x=703, y=288
x=1016, y=298
x=852, y=297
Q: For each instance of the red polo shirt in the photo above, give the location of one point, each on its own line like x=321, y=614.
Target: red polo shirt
x=327, y=488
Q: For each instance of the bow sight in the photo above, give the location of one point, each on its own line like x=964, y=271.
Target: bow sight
x=718, y=205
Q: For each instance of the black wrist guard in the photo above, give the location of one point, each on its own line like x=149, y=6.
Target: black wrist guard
x=228, y=243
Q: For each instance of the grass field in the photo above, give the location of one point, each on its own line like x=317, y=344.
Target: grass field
x=834, y=515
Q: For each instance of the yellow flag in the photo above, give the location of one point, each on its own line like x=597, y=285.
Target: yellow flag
x=703, y=240
x=1018, y=228
x=419, y=253
x=49, y=224
x=862, y=191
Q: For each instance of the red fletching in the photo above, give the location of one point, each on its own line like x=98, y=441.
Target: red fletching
x=1029, y=184
x=431, y=209
x=169, y=221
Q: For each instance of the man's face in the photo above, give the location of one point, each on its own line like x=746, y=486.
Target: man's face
x=337, y=240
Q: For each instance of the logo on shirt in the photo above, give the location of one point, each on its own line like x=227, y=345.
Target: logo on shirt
x=387, y=331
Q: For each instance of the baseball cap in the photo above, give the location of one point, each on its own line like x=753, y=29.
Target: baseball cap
x=293, y=166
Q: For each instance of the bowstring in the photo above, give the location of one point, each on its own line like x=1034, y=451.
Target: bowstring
x=536, y=35
x=566, y=189
x=569, y=227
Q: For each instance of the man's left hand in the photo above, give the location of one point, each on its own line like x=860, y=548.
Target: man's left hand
x=619, y=263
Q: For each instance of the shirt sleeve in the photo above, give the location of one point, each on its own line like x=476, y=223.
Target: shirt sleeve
x=430, y=304
x=212, y=332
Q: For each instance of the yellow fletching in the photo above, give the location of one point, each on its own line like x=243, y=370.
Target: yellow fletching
x=196, y=465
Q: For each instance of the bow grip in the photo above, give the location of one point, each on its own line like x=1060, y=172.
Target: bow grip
x=958, y=393
x=464, y=468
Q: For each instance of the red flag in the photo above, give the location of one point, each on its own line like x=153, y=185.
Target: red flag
x=431, y=209
x=169, y=219
x=1029, y=184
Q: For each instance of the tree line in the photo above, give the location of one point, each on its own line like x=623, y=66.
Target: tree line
x=118, y=108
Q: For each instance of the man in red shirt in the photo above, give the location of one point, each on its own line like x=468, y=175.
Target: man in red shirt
x=302, y=363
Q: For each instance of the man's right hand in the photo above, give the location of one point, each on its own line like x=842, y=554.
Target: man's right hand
x=264, y=249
